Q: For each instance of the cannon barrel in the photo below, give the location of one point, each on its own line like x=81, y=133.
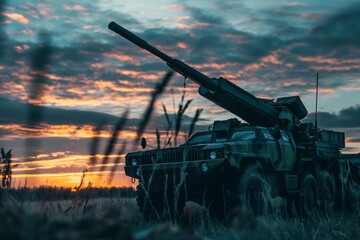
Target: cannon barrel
x=226, y=94
x=175, y=64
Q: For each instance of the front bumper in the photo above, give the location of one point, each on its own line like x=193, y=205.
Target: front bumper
x=190, y=167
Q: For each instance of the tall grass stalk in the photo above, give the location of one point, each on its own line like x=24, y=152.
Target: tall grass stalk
x=159, y=88
x=6, y=172
x=112, y=141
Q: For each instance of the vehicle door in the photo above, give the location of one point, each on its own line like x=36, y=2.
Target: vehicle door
x=272, y=149
x=288, y=151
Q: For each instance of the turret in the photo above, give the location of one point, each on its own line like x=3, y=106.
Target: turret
x=285, y=112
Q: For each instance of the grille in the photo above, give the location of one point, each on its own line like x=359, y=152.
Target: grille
x=170, y=155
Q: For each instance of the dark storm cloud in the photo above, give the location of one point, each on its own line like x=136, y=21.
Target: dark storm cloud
x=199, y=15
x=16, y=113
x=325, y=40
x=297, y=40
x=347, y=118
x=2, y=34
x=340, y=29
x=337, y=35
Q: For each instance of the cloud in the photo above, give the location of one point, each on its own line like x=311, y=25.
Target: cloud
x=57, y=122
x=97, y=55
x=2, y=33
x=346, y=118
x=17, y=17
x=16, y=113
x=340, y=29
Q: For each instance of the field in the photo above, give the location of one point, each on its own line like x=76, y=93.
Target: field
x=116, y=217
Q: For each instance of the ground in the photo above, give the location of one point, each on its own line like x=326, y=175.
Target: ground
x=119, y=218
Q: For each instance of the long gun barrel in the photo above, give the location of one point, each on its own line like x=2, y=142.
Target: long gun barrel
x=220, y=91
x=175, y=64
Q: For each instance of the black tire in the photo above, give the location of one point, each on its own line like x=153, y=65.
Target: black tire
x=145, y=201
x=249, y=193
x=309, y=196
x=353, y=196
x=327, y=192
x=255, y=194
x=159, y=206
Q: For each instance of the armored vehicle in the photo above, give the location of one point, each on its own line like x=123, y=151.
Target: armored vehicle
x=270, y=164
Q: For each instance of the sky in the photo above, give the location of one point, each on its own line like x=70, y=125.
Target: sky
x=63, y=74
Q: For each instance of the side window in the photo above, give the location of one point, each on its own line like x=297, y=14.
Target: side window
x=244, y=135
x=221, y=137
x=285, y=137
x=267, y=135
x=200, y=138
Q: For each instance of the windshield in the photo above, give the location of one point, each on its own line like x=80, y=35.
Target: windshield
x=200, y=138
x=243, y=135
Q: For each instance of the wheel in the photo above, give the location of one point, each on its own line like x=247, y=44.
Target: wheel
x=255, y=194
x=250, y=193
x=353, y=196
x=158, y=205
x=309, y=195
x=327, y=192
x=148, y=203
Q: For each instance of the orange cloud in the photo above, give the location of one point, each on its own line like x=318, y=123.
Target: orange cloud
x=173, y=8
x=272, y=58
x=66, y=131
x=321, y=90
x=182, y=45
x=182, y=18
x=193, y=25
x=140, y=75
x=319, y=60
x=75, y=7
x=294, y=82
x=21, y=48
x=17, y=17
x=331, y=61
x=123, y=58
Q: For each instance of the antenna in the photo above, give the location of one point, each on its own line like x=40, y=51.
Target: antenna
x=316, y=105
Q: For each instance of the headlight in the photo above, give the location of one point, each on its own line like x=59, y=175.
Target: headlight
x=213, y=155
x=134, y=162
x=204, y=167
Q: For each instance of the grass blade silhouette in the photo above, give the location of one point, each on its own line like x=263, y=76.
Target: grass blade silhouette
x=159, y=88
x=169, y=127
x=112, y=141
x=40, y=60
x=194, y=120
x=157, y=137
x=6, y=169
x=180, y=113
x=117, y=161
x=94, y=144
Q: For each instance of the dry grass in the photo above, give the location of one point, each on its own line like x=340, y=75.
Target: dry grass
x=119, y=218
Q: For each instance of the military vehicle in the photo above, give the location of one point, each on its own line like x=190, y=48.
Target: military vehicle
x=271, y=162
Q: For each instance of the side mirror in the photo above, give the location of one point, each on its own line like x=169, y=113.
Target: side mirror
x=276, y=132
x=143, y=143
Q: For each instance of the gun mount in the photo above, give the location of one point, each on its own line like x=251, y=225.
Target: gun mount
x=285, y=112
